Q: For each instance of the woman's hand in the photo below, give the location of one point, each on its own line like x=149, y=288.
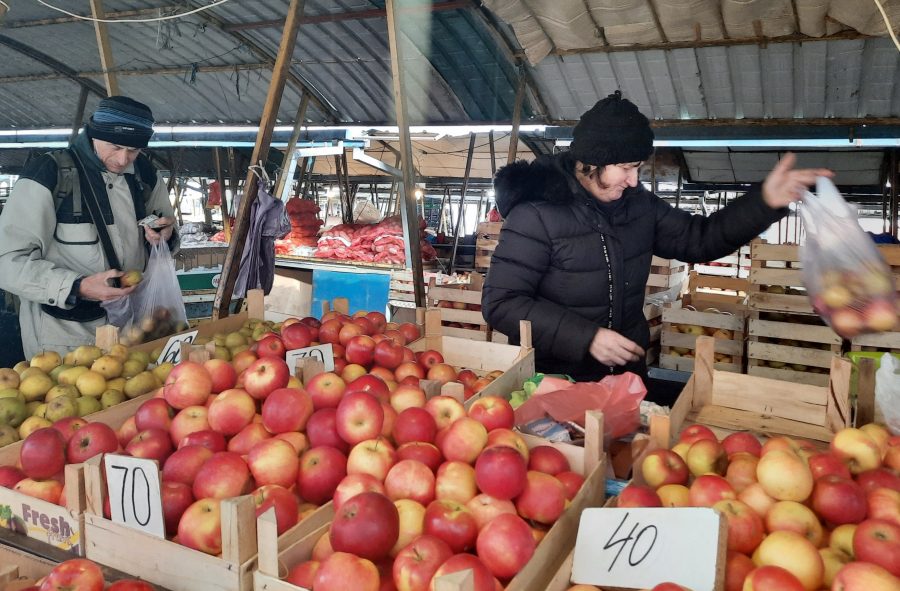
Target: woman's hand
x=164, y=232
x=611, y=348
x=784, y=185
x=96, y=287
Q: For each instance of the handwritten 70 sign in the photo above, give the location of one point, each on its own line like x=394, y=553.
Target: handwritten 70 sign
x=640, y=548
x=134, y=493
x=323, y=353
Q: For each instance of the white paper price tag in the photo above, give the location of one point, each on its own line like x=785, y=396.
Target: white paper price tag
x=640, y=548
x=134, y=493
x=172, y=351
x=323, y=353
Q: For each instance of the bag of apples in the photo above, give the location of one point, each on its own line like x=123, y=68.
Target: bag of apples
x=848, y=283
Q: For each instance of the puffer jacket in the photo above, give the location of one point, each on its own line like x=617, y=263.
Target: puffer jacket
x=572, y=265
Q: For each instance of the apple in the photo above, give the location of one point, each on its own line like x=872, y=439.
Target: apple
x=222, y=373
x=242, y=360
x=188, y=384
x=414, y=424
x=131, y=585
x=509, y=438
x=284, y=501
x=188, y=420
x=833, y=561
x=246, y=438
x=265, y=375
x=455, y=481
x=757, y=498
x=303, y=574
x=427, y=453
x=543, y=499
x=374, y=456
x=152, y=444
x=184, y=463
x=48, y=489
x=857, y=448
x=67, y=426
x=415, y=565
x=839, y=500
x=343, y=571
x=673, y=495
x=296, y=336
x=795, y=554
x=784, y=476
x=366, y=525
x=10, y=475
x=709, y=489
x=406, y=396
x=745, y=527
x=286, y=409
x=878, y=541
x=482, y=578
x=409, y=331
x=273, y=461
x=737, y=567
x=90, y=440
x=493, y=412
x=771, y=578
x=363, y=322
x=635, y=495
x=452, y=522
x=795, y=517
x=742, y=441
x=222, y=476
x=231, y=411
x=501, y=472
x=321, y=470
x=409, y=369
x=154, y=414
x=371, y=384
x=864, y=576
x=212, y=440
x=200, y=526
x=884, y=503
x=360, y=350
x=505, y=544
x=390, y=415
x=388, y=354
x=695, y=433
x=706, y=456
x=359, y=417
x=825, y=463
x=464, y=440
x=445, y=410
x=841, y=539
x=441, y=372
x=467, y=377
x=77, y=574
x=351, y=371
x=878, y=478
x=348, y=331
x=330, y=330
x=741, y=471
x=43, y=453
x=429, y=358
x=410, y=479
x=660, y=467
x=271, y=346
x=326, y=390
x=321, y=429
x=412, y=523
x=354, y=484
x=176, y=497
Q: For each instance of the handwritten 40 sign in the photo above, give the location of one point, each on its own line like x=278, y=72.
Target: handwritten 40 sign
x=640, y=548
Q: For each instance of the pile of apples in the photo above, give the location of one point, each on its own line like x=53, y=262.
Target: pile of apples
x=81, y=574
x=699, y=331
x=799, y=517
x=858, y=300
x=50, y=387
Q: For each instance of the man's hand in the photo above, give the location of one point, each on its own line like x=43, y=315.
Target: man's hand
x=164, y=232
x=96, y=287
x=611, y=348
x=784, y=185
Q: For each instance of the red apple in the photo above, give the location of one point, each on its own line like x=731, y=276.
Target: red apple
x=176, y=498
x=772, y=578
x=878, y=478
x=284, y=502
x=572, y=482
x=407, y=396
x=188, y=420
x=839, y=500
x=231, y=411
x=415, y=564
x=442, y=372
x=354, y=484
x=373, y=456
x=825, y=463
x=709, y=489
x=359, y=417
x=266, y=375
x=321, y=429
x=493, y=412
x=242, y=360
x=366, y=525
x=222, y=476
x=635, y=495
x=695, y=433
x=451, y=522
x=467, y=377
x=200, y=526
x=388, y=354
x=427, y=453
x=212, y=440
x=409, y=331
x=184, y=463
x=464, y=440
x=77, y=574
x=429, y=358
x=321, y=470
x=742, y=441
x=505, y=545
x=543, y=499
x=271, y=346
x=222, y=373
x=303, y=574
x=409, y=369
x=364, y=323
x=296, y=336
x=737, y=567
x=10, y=475
x=445, y=410
x=273, y=461
x=745, y=528
x=509, y=438
x=326, y=390
x=347, y=332
x=371, y=384
x=188, y=384
x=68, y=425
x=92, y=439
x=485, y=507
x=152, y=444
x=410, y=479
x=878, y=541
x=414, y=424
x=249, y=436
x=330, y=330
x=501, y=472
x=884, y=503
x=154, y=414
x=343, y=571
x=864, y=576
x=286, y=409
x=360, y=350
x=131, y=585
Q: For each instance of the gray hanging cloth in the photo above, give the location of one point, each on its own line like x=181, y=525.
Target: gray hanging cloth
x=268, y=222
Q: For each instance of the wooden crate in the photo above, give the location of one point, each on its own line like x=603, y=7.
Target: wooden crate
x=805, y=359
x=589, y=461
x=776, y=279
x=460, y=305
x=887, y=341
x=401, y=292
x=737, y=402
x=665, y=274
x=20, y=569
x=653, y=314
x=678, y=348
x=736, y=265
x=486, y=238
x=727, y=291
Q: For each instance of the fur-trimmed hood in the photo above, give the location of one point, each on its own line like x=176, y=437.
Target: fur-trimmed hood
x=548, y=178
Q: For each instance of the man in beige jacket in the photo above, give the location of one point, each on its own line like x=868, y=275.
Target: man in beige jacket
x=51, y=253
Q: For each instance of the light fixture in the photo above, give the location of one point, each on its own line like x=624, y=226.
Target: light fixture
x=419, y=194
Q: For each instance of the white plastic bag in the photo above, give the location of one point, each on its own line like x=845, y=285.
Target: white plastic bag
x=157, y=308
x=887, y=391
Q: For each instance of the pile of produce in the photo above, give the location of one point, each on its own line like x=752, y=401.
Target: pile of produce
x=800, y=518
x=305, y=222
x=81, y=574
x=378, y=243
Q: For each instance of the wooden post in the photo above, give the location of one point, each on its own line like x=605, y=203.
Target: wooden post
x=462, y=201
x=517, y=118
x=865, y=392
x=291, y=145
x=409, y=209
x=263, y=141
x=220, y=178
x=106, y=60
x=79, y=114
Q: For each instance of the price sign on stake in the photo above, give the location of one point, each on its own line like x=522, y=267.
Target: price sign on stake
x=172, y=351
x=323, y=353
x=134, y=494
x=640, y=548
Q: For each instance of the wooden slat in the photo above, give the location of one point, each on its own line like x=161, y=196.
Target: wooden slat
x=467, y=316
x=454, y=295
x=885, y=340
x=706, y=319
x=689, y=341
x=801, y=403
x=464, y=333
x=698, y=281
x=681, y=363
x=791, y=330
x=891, y=254
x=741, y=420
x=788, y=354
x=865, y=400
x=779, y=302
x=778, y=252
x=782, y=277
x=789, y=375
x=838, y=408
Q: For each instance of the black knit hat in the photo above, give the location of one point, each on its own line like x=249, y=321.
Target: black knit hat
x=122, y=121
x=612, y=132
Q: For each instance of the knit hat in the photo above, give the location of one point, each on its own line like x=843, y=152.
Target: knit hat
x=122, y=121
x=612, y=132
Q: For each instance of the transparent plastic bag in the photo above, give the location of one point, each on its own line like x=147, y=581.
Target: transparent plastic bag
x=887, y=392
x=157, y=308
x=848, y=283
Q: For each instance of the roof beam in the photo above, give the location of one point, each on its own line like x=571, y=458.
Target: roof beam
x=52, y=63
x=121, y=14
x=171, y=71
x=106, y=57
x=350, y=15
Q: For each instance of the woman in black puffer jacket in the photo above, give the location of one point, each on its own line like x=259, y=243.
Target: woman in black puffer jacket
x=580, y=231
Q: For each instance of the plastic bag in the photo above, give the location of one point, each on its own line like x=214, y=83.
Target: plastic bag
x=887, y=392
x=157, y=308
x=847, y=281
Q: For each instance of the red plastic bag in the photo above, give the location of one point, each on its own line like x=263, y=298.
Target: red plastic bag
x=619, y=397
x=215, y=195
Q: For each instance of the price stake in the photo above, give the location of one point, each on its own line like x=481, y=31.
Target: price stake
x=640, y=548
x=134, y=493
x=172, y=351
x=323, y=353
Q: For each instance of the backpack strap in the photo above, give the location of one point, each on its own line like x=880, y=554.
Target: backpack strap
x=93, y=208
x=67, y=180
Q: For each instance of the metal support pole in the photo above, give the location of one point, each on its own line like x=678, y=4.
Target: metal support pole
x=288, y=163
x=462, y=201
x=678, y=189
x=516, y=120
x=220, y=178
x=895, y=178
x=79, y=114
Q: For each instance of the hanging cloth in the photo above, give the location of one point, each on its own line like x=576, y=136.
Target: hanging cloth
x=268, y=222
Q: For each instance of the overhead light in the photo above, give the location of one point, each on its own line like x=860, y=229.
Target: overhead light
x=419, y=194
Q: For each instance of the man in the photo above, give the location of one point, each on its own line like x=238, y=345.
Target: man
x=53, y=255
x=580, y=231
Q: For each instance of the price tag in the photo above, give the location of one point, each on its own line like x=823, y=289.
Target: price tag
x=323, y=353
x=134, y=493
x=640, y=548
x=172, y=351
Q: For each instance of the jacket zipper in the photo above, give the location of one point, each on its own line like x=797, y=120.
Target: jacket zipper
x=609, y=276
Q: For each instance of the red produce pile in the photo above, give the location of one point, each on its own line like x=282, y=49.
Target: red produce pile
x=305, y=222
x=378, y=243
